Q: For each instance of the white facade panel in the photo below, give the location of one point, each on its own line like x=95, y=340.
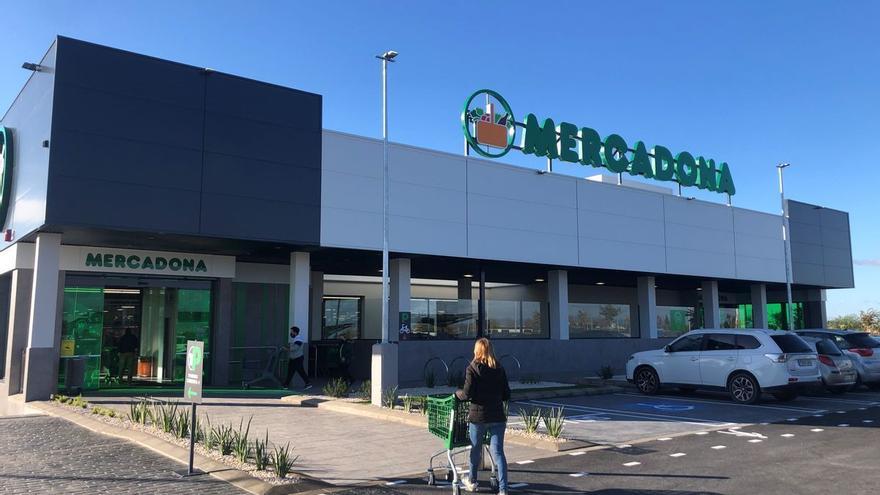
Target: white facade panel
x=521, y=184
x=521, y=245
x=760, y=268
x=421, y=236
x=696, y=238
x=351, y=154
x=602, y=253
x=700, y=263
x=350, y=228
x=621, y=228
x=521, y=215
x=415, y=166
x=617, y=200
x=760, y=247
x=418, y=201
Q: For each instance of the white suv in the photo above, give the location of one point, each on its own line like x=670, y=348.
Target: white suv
x=744, y=362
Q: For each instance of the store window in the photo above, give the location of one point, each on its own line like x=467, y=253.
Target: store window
x=673, y=321
x=592, y=321
x=516, y=319
x=82, y=329
x=443, y=319
x=342, y=318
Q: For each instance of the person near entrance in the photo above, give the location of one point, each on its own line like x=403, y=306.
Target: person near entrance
x=296, y=346
x=128, y=350
x=486, y=386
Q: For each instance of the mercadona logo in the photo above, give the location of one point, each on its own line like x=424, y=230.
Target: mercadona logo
x=487, y=121
x=6, y=152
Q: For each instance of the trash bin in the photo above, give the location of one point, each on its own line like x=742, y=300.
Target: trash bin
x=74, y=375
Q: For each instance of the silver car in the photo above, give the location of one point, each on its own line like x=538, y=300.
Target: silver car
x=838, y=372
x=863, y=350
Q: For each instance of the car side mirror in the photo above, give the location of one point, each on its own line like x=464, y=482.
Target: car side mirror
x=667, y=348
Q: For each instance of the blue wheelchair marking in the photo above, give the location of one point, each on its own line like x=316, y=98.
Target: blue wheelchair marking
x=668, y=407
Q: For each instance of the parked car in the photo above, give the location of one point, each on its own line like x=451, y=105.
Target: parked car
x=860, y=347
x=744, y=362
x=838, y=372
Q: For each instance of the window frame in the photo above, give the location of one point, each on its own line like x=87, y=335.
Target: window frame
x=337, y=297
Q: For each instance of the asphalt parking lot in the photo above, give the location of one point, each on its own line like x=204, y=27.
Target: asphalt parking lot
x=703, y=444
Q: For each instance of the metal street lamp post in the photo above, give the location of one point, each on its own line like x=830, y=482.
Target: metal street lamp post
x=385, y=58
x=786, y=238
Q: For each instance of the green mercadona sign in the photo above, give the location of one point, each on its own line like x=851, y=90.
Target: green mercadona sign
x=154, y=263
x=490, y=129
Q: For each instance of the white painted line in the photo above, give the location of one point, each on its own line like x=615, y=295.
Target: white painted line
x=867, y=421
x=664, y=439
x=624, y=446
x=735, y=428
x=678, y=454
x=576, y=453
x=703, y=432
x=787, y=435
x=524, y=462
x=727, y=403
x=755, y=440
x=631, y=464
x=841, y=412
x=398, y=482
x=518, y=485
x=818, y=415
x=719, y=447
x=614, y=412
x=578, y=475
x=817, y=430
x=863, y=409
x=791, y=419
x=843, y=425
x=739, y=433
x=840, y=401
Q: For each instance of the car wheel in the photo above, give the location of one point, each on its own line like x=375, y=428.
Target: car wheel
x=838, y=390
x=785, y=396
x=744, y=389
x=647, y=381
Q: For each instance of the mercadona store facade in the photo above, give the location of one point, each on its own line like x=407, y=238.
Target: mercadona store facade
x=175, y=203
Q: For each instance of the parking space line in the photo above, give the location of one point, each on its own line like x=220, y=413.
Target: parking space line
x=631, y=464
x=521, y=463
x=614, y=412
x=817, y=430
x=518, y=485
x=578, y=475
x=730, y=403
x=678, y=454
x=719, y=447
x=577, y=453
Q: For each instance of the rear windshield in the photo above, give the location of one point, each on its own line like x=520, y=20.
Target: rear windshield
x=791, y=343
x=827, y=347
x=860, y=340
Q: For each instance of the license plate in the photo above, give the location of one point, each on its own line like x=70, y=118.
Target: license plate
x=805, y=362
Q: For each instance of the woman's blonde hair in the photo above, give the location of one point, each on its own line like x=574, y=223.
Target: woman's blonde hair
x=483, y=353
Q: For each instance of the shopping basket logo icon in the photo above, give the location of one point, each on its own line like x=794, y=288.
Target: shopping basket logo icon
x=488, y=124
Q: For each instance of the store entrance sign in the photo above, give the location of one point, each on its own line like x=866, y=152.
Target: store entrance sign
x=102, y=259
x=491, y=130
x=195, y=362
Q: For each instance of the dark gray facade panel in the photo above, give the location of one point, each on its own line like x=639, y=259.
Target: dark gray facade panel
x=232, y=175
x=821, y=247
x=99, y=203
x=259, y=219
x=161, y=146
x=131, y=162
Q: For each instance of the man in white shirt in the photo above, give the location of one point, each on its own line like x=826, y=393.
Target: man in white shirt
x=296, y=345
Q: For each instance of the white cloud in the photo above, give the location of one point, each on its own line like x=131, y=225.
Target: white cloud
x=869, y=262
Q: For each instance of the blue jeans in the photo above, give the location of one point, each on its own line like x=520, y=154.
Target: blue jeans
x=496, y=448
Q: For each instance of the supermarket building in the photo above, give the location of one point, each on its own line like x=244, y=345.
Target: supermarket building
x=174, y=203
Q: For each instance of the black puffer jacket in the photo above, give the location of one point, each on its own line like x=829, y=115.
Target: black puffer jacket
x=487, y=389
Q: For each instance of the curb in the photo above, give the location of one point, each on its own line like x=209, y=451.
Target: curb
x=235, y=477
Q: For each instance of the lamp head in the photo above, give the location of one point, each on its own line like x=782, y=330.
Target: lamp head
x=388, y=56
x=31, y=66
x=783, y=165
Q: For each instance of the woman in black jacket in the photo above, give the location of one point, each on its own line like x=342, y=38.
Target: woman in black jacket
x=486, y=386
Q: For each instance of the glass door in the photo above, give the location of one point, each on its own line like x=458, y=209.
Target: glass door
x=191, y=309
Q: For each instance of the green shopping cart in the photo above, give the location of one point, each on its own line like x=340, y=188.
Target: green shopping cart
x=447, y=419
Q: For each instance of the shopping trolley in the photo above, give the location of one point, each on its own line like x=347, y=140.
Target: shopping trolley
x=264, y=371
x=447, y=419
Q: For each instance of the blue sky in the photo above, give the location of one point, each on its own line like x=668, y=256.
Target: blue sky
x=749, y=83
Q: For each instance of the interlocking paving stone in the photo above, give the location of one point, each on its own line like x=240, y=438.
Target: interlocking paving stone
x=50, y=455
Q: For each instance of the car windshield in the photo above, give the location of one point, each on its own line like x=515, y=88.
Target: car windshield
x=860, y=341
x=827, y=347
x=791, y=343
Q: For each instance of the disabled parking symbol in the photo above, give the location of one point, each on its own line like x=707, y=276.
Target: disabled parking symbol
x=667, y=407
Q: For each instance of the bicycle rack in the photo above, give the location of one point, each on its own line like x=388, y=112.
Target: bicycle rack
x=452, y=367
x=428, y=362
x=515, y=360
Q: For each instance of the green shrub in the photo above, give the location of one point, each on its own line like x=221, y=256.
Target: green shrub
x=241, y=444
x=408, y=402
x=531, y=418
x=283, y=461
x=337, y=387
x=422, y=402
x=208, y=434
x=223, y=438
x=181, y=424
x=605, y=372
x=79, y=402
x=165, y=415
x=262, y=456
x=389, y=397
x=554, y=421
x=365, y=393
x=104, y=411
x=139, y=411
x=430, y=379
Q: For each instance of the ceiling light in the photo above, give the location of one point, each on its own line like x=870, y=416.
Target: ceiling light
x=539, y=280
x=699, y=288
x=468, y=275
x=600, y=283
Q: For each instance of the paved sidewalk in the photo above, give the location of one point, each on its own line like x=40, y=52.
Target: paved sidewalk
x=336, y=447
x=51, y=455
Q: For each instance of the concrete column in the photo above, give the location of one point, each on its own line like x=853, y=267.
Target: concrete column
x=823, y=310
x=647, y=303
x=19, y=320
x=711, y=309
x=557, y=294
x=221, y=340
x=401, y=290
x=299, y=297
x=759, y=306
x=317, y=305
x=41, y=357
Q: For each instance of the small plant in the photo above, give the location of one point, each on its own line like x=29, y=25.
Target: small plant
x=223, y=438
x=283, y=461
x=531, y=418
x=241, y=444
x=554, y=421
x=365, y=393
x=78, y=401
x=104, y=411
x=165, y=415
x=430, y=379
x=422, y=402
x=181, y=424
x=208, y=434
x=337, y=387
x=139, y=411
x=408, y=402
x=605, y=372
x=455, y=379
x=262, y=456
x=389, y=397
